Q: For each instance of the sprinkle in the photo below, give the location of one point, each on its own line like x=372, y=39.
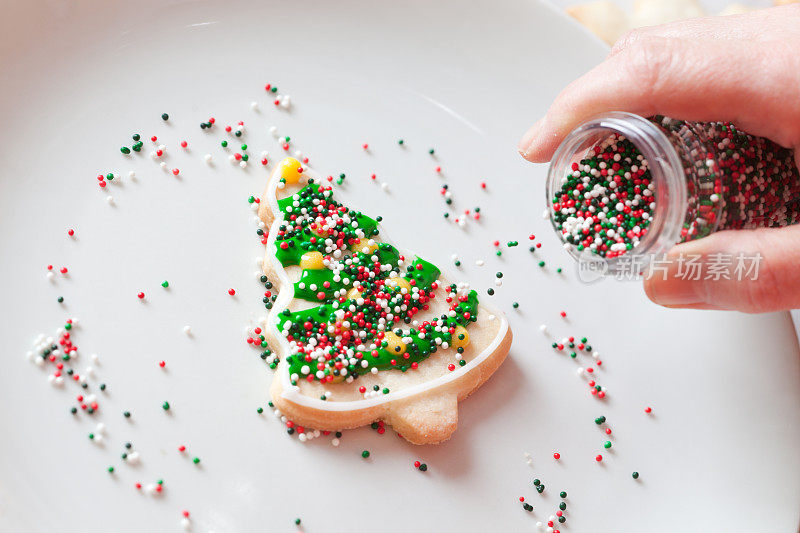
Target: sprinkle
x=635, y=475
x=365, y=454
x=556, y=456
x=648, y=410
x=165, y=117
x=165, y=406
x=232, y=292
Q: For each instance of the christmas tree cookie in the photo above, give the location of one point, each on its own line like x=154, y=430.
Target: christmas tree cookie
x=365, y=331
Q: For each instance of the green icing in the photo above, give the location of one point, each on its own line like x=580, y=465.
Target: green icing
x=296, y=238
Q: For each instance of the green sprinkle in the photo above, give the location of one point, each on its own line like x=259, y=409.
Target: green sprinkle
x=274, y=89
x=607, y=444
x=490, y=291
x=541, y=263
x=515, y=305
x=563, y=494
x=297, y=521
x=498, y=253
x=536, y=482
x=224, y=144
x=599, y=420
x=365, y=454
x=165, y=284
x=244, y=147
x=60, y=299
x=635, y=475
x=73, y=410
x=91, y=436
x=423, y=467
x=109, y=176
x=260, y=410
x=165, y=406
x=126, y=414
x=562, y=506
x=511, y=244
x=400, y=142
x=136, y=137
x=196, y=460
x=164, y=116
x=110, y=469
x=125, y=150
x=431, y=151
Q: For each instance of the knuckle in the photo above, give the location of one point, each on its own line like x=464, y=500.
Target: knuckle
x=762, y=294
x=628, y=39
x=650, y=62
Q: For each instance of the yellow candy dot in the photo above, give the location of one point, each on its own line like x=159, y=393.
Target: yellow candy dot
x=311, y=261
x=289, y=170
x=394, y=344
x=399, y=283
x=353, y=294
x=460, y=338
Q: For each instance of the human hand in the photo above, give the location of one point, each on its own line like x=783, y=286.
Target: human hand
x=744, y=69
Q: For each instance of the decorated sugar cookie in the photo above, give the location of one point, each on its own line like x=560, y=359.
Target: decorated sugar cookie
x=365, y=331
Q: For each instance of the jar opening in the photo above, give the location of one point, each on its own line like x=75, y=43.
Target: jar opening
x=668, y=186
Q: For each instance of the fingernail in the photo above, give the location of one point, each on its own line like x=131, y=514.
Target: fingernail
x=673, y=291
x=529, y=141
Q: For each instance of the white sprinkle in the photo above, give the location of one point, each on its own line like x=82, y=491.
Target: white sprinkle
x=286, y=101
x=207, y=157
x=132, y=175
x=543, y=328
x=243, y=164
x=163, y=164
x=385, y=186
x=50, y=276
x=187, y=330
x=186, y=523
x=94, y=358
x=274, y=131
x=254, y=106
x=480, y=262
x=110, y=200
x=335, y=442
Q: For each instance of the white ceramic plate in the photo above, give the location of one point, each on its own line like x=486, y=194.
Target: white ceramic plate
x=719, y=452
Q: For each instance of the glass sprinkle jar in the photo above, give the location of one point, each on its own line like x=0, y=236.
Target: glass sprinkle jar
x=621, y=185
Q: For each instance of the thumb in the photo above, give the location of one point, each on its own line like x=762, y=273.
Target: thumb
x=753, y=271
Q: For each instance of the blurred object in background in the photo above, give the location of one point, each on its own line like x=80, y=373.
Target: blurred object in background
x=609, y=21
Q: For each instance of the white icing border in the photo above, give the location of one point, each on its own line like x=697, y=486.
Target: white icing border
x=285, y=296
